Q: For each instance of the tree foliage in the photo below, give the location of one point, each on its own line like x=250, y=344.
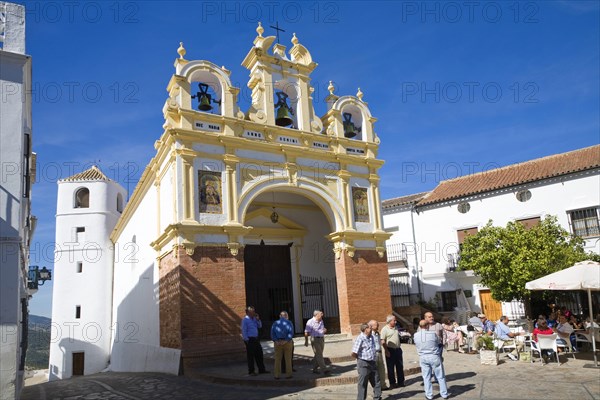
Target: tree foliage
x=506, y=258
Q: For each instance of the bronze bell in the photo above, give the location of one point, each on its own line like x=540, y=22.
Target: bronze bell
x=349, y=128
x=204, y=98
x=284, y=111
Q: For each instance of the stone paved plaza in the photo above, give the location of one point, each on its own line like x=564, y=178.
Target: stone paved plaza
x=467, y=379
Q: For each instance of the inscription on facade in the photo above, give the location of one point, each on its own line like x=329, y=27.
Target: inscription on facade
x=288, y=140
x=320, y=145
x=253, y=135
x=205, y=126
x=352, y=150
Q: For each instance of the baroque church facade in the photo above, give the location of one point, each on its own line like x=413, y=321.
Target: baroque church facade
x=237, y=207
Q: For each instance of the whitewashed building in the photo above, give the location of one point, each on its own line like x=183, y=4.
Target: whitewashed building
x=432, y=225
x=88, y=207
x=17, y=170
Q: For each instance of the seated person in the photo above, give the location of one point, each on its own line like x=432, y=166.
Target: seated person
x=504, y=334
x=575, y=323
x=587, y=325
x=451, y=334
x=543, y=329
x=564, y=331
x=475, y=321
x=551, y=321
x=488, y=328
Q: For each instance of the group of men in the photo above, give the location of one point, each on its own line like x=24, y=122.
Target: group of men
x=500, y=330
x=370, y=346
x=282, y=334
x=370, y=349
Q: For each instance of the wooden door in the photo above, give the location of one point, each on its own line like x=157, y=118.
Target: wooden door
x=491, y=308
x=269, y=283
x=78, y=363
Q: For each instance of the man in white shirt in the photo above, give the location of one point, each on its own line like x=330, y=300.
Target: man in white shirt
x=564, y=331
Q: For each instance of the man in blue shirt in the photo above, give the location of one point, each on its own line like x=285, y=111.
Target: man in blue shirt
x=364, y=352
x=282, y=334
x=250, y=326
x=429, y=350
x=507, y=337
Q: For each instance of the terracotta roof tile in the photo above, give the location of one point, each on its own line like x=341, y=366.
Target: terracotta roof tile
x=404, y=200
x=91, y=174
x=516, y=174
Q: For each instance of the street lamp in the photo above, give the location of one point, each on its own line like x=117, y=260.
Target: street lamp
x=37, y=277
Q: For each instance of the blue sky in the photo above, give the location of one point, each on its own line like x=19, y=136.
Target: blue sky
x=457, y=87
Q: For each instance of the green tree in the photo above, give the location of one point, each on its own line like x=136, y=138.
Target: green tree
x=506, y=258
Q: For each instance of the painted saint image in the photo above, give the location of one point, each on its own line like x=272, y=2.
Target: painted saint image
x=361, y=204
x=210, y=192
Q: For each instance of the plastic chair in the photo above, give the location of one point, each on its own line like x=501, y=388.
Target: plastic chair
x=583, y=337
x=545, y=342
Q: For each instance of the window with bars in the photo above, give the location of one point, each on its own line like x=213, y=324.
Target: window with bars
x=448, y=300
x=585, y=222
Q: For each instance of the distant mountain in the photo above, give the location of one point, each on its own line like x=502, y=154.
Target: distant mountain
x=38, y=346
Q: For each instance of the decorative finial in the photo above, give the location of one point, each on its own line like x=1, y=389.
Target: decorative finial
x=181, y=50
x=294, y=39
x=359, y=94
x=260, y=29
x=331, y=88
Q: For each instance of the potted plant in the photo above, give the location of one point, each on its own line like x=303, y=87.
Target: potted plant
x=487, y=352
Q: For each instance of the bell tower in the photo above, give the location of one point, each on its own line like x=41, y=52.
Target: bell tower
x=280, y=84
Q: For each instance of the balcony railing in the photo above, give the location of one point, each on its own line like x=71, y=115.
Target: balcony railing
x=396, y=252
x=453, y=259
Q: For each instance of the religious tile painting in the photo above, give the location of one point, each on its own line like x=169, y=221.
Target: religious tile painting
x=210, y=192
x=360, y=200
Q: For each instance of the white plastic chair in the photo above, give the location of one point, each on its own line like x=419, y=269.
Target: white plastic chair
x=545, y=342
x=583, y=337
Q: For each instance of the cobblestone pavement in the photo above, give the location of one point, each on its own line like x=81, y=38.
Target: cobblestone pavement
x=467, y=379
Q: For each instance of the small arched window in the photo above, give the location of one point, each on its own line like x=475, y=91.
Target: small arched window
x=82, y=198
x=119, y=203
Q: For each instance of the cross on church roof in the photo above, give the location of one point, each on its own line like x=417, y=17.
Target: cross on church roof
x=277, y=28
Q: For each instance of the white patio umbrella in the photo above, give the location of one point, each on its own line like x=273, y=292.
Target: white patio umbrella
x=584, y=275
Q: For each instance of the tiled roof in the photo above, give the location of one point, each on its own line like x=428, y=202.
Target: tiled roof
x=91, y=174
x=516, y=174
x=404, y=200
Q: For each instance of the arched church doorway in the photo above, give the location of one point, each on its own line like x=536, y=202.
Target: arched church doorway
x=269, y=282
x=289, y=263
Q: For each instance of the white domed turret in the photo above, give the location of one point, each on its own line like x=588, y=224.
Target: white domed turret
x=88, y=208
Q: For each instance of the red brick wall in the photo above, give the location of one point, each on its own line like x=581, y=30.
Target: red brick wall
x=363, y=289
x=213, y=301
x=169, y=302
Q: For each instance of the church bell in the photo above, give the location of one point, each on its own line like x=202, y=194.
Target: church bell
x=284, y=111
x=349, y=128
x=204, y=98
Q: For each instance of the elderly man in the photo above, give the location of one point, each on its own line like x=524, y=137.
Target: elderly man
x=364, y=352
x=428, y=347
x=488, y=329
x=316, y=330
x=507, y=337
x=390, y=341
x=374, y=325
x=282, y=334
x=434, y=326
x=250, y=325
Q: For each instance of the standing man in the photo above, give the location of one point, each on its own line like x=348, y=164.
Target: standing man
x=429, y=350
x=282, y=334
x=316, y=330
x=364, y=352
x=390, y=341
x=250, y=326
x=374, y=325
x=507, y=337
x=434, y=326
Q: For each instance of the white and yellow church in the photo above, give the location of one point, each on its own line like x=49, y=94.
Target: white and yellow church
x=272, y=206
